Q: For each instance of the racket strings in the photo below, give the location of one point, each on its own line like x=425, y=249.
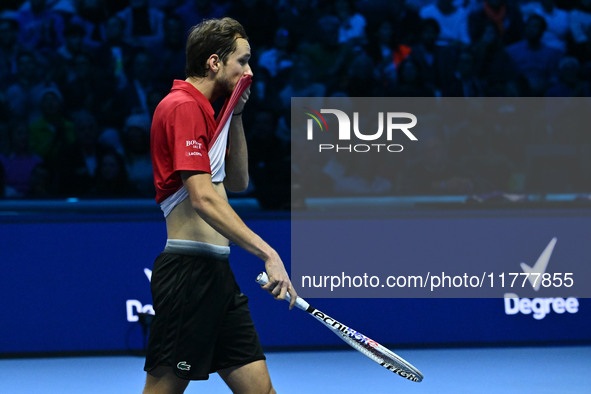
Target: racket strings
x=384, y=356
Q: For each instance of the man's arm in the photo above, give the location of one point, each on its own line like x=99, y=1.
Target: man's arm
x=237, y=157
x=218, y=213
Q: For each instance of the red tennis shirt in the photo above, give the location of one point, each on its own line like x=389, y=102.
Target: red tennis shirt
x=182, y=128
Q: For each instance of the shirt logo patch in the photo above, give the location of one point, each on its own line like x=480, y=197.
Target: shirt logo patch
x=194, y=144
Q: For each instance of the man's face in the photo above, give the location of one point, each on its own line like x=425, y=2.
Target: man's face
x=236, y=67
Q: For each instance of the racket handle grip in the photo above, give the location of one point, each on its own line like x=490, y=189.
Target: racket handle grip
x=263, y=279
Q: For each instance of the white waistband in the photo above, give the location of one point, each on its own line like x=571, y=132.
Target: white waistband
x=183, y=246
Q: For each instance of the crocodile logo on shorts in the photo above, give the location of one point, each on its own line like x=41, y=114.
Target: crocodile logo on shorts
x=183, y=366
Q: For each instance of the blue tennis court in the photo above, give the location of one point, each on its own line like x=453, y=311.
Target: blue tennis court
x=483, y=370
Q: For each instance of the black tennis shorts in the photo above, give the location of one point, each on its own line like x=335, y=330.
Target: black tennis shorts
x=202, y=322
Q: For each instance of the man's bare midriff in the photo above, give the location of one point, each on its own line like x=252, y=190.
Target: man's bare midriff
x=185, y=223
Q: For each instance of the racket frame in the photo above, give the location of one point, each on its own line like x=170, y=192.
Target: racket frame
x=358, y=341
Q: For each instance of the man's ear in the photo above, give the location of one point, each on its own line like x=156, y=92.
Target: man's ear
x=213, y=63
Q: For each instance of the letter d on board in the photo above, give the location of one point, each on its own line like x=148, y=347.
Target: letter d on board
x=130, y=306
x=511, y=303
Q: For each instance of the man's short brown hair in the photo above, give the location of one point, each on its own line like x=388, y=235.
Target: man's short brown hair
x=212, y=36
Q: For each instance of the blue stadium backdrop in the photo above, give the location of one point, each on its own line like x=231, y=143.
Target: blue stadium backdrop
x=76, y=281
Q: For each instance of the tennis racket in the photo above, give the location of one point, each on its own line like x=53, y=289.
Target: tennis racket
x=368, y=347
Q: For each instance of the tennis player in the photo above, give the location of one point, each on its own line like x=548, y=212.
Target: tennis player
x=202, y=323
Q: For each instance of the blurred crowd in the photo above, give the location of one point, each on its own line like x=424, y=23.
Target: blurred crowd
x=79, y=80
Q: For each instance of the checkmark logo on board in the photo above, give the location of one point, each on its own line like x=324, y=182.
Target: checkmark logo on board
x=539, y=268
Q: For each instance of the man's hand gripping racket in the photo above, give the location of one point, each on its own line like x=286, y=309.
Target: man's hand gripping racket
x=368, y=347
